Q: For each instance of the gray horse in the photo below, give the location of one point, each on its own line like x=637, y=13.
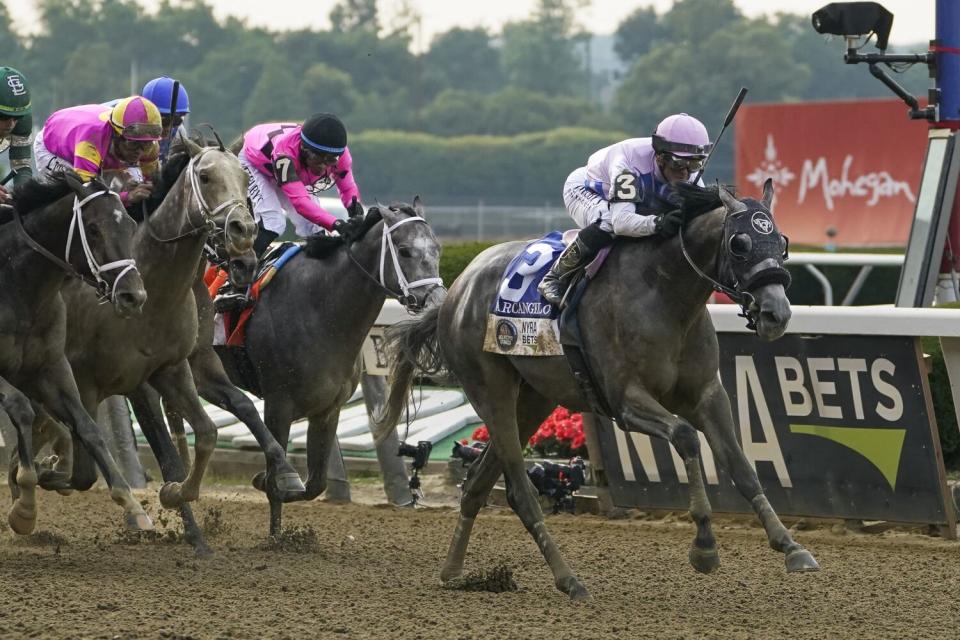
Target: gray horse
x=86, y=224
x=651, y=346
x=305, y=333
x=110, y=357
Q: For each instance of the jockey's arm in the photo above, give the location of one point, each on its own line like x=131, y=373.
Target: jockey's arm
x=343, y=178
x=623, y=215
x=301, y=200
x=21, y=151
x=87, y=160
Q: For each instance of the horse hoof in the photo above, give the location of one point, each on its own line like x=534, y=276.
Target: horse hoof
x=704, y=560
x=170, y=496
x=288, y=487
x=575, y=589
x=259, y=481
x=53, y=480
x=22, y=519
x=202, y=551
x=801, y=560
x=449, y=573
x=138, y=522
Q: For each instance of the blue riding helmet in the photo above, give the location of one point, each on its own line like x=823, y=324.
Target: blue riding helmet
x=159, y=91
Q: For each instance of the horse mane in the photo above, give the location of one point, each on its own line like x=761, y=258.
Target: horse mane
x=321, y=246
x=34, y=194
x=169, y=175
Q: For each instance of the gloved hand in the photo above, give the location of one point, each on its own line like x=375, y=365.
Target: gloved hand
x=355, y=209
x=350, y=230
x=668, y=224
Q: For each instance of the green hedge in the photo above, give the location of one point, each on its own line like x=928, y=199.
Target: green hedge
x=520, y=169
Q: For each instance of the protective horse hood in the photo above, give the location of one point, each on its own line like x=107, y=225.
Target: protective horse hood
x=754, y=246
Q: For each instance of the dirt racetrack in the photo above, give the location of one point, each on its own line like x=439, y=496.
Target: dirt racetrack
x=372, y=572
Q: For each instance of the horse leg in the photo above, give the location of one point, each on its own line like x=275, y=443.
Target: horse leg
x=321, y=442
x=177, y=430
x=175, y=385
x=58, y=392
x=23, y=514
x=644, y=414
x=532, y=408
x=55, y=471
x=278, y=414
x=496, y=398
x=281, y=479
x=146, y=406
x=716, y=418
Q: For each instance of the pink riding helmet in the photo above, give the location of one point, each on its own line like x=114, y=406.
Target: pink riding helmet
x=682, y=135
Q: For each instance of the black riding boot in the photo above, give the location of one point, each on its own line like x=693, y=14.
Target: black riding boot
x=577, y=255
x=231, y=298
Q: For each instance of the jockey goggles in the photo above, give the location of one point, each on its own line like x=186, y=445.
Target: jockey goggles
x=142, y=132
x=678, y=163
x=323, y=157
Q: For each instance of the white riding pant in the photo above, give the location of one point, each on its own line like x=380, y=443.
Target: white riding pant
x=48, y=164
x=272, y=205
x=586, y=207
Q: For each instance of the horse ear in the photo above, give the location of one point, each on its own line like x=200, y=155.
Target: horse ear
x=418, y=205
x=731, y=203
x=192, y=147
x=767, y=198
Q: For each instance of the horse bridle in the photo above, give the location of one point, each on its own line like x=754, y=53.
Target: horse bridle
x=404, y=297
x=209, y=225
x=104, y=291
x=742, y=298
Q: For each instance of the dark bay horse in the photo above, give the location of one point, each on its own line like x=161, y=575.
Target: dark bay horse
x=305, y=334
x=651, y=346
x=208, y=197
x=86, y=225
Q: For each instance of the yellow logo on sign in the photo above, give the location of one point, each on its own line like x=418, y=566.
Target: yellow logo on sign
x=882, y=447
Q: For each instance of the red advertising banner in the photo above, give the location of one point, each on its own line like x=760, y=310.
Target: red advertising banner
x=845, y=173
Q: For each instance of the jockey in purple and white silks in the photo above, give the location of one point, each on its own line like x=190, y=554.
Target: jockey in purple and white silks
x=609, y=195
x=288, y=164
x=91, y=138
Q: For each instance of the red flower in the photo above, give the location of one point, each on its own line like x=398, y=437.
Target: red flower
x=481, y=434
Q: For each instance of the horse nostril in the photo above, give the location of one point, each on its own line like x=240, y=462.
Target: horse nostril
x=131, y=299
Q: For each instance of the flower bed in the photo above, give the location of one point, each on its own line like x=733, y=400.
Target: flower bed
x=559, y=436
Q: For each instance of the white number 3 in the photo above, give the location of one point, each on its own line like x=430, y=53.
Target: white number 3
x=625, y=187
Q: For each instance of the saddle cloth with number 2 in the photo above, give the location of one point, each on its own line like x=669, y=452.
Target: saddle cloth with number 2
x=521, y=322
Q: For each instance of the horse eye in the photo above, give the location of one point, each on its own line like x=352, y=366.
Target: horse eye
x=204, y=178
x=741, y=244
x=405, y=252
x=785, y=246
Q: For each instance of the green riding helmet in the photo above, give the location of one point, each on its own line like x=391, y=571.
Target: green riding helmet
x=14, y=93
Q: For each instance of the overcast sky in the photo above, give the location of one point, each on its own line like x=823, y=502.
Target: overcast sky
x=913, y=22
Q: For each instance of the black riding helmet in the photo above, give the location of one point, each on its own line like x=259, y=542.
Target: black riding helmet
x=324, y=133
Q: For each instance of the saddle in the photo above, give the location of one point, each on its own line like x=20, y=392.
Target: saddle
x=522, y=323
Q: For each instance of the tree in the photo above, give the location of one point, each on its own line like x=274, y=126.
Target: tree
x=327, y=89
x=541, y=55
x=11, y=49
x=694, y=21
x=270, y=98
x=671, y=79
x=455, y=112
x=91, y=75
x=637, y=34
x=462, y=59
x=356, y=15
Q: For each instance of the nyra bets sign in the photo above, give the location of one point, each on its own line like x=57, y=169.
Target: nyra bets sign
x=843, y=172
x=835, y=426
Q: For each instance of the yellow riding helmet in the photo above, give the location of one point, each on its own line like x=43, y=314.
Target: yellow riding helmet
x=136, y=118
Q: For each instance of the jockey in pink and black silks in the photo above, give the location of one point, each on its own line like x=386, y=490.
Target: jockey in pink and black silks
x=289, y=164
x=611, y=194
x=90, y=139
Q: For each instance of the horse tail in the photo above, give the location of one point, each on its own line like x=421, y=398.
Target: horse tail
x=414, y=346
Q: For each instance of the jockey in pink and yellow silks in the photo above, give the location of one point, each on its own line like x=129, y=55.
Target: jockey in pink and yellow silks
x=91, y=139
x=288, y=164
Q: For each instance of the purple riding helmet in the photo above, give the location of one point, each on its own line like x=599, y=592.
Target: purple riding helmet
x=682, y=135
